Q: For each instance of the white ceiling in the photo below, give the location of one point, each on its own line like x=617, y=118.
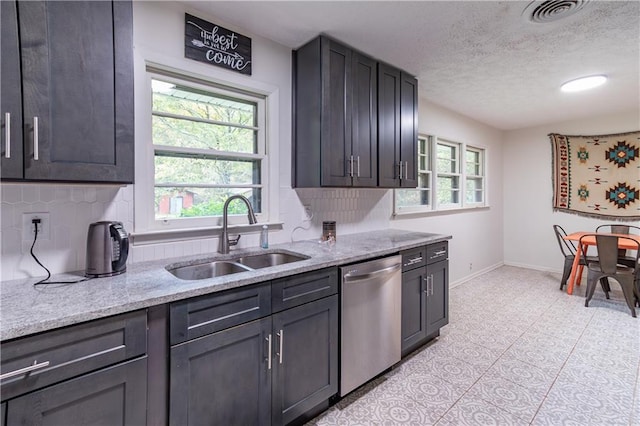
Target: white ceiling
x=483, y=59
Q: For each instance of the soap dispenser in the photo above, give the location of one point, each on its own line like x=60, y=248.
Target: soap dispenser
x=264, y=237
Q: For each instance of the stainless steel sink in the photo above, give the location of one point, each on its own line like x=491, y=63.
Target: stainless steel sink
x=218, y=268
x=208, y=270
x=264, y=260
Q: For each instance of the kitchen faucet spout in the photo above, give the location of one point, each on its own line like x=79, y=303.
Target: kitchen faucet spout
x=225, y=242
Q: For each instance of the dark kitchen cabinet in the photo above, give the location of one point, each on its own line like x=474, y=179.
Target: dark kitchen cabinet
x=91, y=373
x=425, y=294
x=335, y=102
x=306, y=358
x=273, y=360
x=73, y=61
x=397, y=128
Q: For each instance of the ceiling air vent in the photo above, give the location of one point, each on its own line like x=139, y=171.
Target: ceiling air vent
x=542, y=12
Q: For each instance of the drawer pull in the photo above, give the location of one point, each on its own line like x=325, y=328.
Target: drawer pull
x=269, y=352
x=281, y=338
x=414, y=261
x=25, y=370
x=439, y=253
x=7, y=139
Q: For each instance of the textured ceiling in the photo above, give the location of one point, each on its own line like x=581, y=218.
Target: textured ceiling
x=483, y=59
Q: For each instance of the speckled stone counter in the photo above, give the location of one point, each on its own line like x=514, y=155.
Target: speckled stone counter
x=25, y=309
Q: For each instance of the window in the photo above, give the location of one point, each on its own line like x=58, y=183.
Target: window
x=208, y=144
x=444, y=176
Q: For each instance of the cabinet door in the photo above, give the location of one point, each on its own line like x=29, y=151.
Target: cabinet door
x=388, y=126
x=336, y=110
x=222, y=378
x=112, y=396
x=77, y=90
x=438, y=298
x=306, y=358
x=408, y=130
x=11, y=99
x=364, y=142
x=414, y=308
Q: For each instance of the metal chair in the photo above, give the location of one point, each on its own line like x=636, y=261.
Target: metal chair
x=625, y=257
x=607, y=266
x=568, y=250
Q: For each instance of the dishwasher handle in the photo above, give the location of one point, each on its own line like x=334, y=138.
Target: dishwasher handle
x=353, y=276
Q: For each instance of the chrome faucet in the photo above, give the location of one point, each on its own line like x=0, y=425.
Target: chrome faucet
x=225, y=242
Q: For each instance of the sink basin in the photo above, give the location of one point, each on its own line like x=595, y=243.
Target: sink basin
x=208, y=270
x=264, y=260
x=218, y=268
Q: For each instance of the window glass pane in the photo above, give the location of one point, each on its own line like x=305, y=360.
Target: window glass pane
x=192, y=134
x=473, y=163
x=191, y=102
x=423, y=180
x=448, y=189
x=171, y=203
x=446, y=159
x=474, y=190
x=412, y=197
x=184, y=170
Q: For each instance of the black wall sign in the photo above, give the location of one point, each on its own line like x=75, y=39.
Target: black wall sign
x=207, y=42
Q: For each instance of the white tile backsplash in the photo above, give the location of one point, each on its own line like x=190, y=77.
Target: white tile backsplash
x=73, y=207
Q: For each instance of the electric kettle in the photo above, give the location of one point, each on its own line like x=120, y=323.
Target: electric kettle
x=107, y=249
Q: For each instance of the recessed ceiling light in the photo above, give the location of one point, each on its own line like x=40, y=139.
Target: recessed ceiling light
x=583, y=83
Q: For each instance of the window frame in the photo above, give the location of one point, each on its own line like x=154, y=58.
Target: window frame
x=432, y=142
x=145, y=191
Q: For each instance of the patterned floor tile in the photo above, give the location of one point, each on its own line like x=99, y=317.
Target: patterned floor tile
x=523, y=374
x=473, y=412
x=453, y=370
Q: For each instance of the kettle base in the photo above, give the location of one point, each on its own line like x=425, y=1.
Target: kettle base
x=107, y=274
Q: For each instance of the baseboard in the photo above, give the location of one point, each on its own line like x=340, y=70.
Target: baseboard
x=475, y=274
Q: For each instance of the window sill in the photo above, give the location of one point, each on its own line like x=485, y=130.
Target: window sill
x=413, y=214
x=174, y=235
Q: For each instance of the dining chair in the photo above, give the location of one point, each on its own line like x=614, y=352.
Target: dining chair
x=568, y=250
x=625, y=257
x=607, y=266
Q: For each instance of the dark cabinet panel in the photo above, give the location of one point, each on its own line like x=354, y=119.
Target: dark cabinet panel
x=111, y=396
x=77, y=91
x=298, y=289
x=438, y=297
x=408, y=131
x=223, y=378
x=11, y=89
x=414, y=308
x=305, y=358
x=425, y=294
x=335, y=121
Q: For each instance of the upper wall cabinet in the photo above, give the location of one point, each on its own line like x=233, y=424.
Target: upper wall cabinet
x=353, y=126
x=397, y=128
x=335, y=137
x=70, y=73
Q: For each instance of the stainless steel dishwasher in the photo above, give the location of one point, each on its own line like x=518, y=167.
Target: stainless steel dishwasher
x=370, y=326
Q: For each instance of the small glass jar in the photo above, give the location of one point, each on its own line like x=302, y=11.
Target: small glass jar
x=329, y=230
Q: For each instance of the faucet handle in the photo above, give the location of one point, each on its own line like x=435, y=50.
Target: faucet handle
x=234, y=241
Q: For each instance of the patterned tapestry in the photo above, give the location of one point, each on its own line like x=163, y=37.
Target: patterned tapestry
x=597, y=176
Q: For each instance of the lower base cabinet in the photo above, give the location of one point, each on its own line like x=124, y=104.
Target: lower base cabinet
x=269, y=371
x=112, y=396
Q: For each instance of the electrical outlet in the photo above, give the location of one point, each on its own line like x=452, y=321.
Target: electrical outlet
x=470, y=266
x=307, y=212
x=29, y=228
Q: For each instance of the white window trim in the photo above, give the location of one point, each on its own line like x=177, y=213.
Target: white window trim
x=145, y=226
x=434, y=208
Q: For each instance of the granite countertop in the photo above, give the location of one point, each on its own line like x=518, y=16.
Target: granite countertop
x=27, y=309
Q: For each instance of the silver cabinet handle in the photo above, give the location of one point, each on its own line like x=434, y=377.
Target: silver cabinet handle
x=431, y=286
x=406, y=170
x=281, y=338
x=351, y=165
x=414, y=261
x=426, y=290
x=400, y=167
x=358, y=165
x=7, y=133
x=35, y=139
x=268, y=339
x=439, y=253
x=26, y=370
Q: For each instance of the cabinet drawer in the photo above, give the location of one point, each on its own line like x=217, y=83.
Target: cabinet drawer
x=298, y=289
x=437, y=252
x=414, y=258
x=71, y=351
x=203, y=315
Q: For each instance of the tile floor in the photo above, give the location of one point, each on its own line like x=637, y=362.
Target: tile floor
x=517, y=351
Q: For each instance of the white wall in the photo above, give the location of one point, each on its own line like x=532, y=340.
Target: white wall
x=528, y=215
x=477, y=234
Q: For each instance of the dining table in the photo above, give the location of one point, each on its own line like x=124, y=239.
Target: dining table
x=590, y=240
